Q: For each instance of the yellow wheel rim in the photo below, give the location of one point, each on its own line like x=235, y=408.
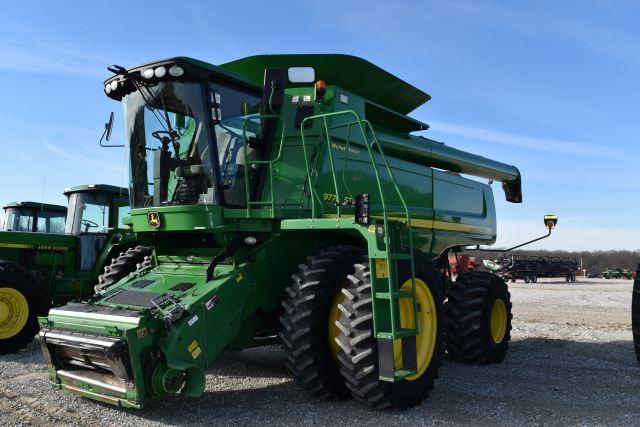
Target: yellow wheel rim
x=14, y=312
x=334, y=315
x=498, y=320
x=428, y=324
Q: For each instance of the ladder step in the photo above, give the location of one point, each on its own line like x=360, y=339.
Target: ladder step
x=395, y=295
x=401, y=374
x=400, y=333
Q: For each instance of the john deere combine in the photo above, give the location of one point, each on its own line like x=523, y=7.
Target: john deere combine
x=48, y=261
x=286, y=200
x=35, y=217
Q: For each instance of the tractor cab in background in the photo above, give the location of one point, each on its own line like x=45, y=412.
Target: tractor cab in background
x=34, y=217
x=94, y=211
x=46, y=260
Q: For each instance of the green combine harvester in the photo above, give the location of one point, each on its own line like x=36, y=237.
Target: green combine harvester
x=48, y=261
x=35, y=217
x=286, y=201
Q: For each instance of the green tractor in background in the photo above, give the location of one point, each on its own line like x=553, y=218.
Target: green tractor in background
x=286, y=201
x=35, y=217
x=617, y=273
x=40, y=269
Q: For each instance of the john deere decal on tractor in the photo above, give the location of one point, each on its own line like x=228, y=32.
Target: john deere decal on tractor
x=286, y=200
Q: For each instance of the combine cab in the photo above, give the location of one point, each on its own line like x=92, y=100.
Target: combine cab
x=46, y=261
x=35, y=217
x=286, y=201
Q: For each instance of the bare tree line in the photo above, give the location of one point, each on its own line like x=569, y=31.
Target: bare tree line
x=593, y=261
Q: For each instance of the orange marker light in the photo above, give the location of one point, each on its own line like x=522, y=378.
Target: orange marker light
x=321, y=89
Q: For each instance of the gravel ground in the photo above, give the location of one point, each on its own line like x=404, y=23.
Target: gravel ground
x=571, y=362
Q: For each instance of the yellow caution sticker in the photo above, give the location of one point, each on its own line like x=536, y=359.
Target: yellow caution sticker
x=382, y=271
x=371, y=229
x=195, y=353
x=239, y=277
x=142, y=332
x=194, y=349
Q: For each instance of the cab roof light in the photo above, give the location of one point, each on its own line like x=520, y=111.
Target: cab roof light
x=148, y=73
x=176, y=71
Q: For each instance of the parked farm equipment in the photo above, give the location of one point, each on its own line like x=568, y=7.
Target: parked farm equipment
x=530, y=268
x=40, y=270
x=617, y=273
x=286, y=201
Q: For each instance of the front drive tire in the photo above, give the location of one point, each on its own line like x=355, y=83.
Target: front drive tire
x=22, y=300
x=479, y=318
x=358, y=356
x=122, y=265
x=308, y=328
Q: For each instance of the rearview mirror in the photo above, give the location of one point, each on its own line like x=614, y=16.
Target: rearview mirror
x=106, y=135
x=550, y=221
x=301, y=74
x=108, y=127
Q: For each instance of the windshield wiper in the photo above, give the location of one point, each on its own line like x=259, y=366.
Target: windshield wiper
x=165, y=122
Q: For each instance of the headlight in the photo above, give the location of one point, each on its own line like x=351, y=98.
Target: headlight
x=114, y=85
x=160, y=72
x=107, y=88
x=176, y=71
x=148, y=73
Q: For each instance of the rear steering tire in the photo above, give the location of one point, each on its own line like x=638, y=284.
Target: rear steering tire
x=308, y=321
x=22, y=300
x=479, y=318
x=358, y=356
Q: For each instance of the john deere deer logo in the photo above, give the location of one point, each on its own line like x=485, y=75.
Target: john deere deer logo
x=153, y=219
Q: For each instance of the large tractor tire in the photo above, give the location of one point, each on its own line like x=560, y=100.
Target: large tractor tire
x=127, y=262
x=308, y=327
x=635, y=316
x=479, y=318
x=22, y=300
x=358, y=356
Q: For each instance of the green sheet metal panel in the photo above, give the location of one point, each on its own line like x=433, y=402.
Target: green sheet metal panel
x=349, y=72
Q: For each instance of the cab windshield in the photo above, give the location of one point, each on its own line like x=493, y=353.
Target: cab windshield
x=18, y=219
x=29, y=219
x=170, y=157
x=88, y=213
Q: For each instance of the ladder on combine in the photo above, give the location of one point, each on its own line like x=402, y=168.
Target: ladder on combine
x=396, y=240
